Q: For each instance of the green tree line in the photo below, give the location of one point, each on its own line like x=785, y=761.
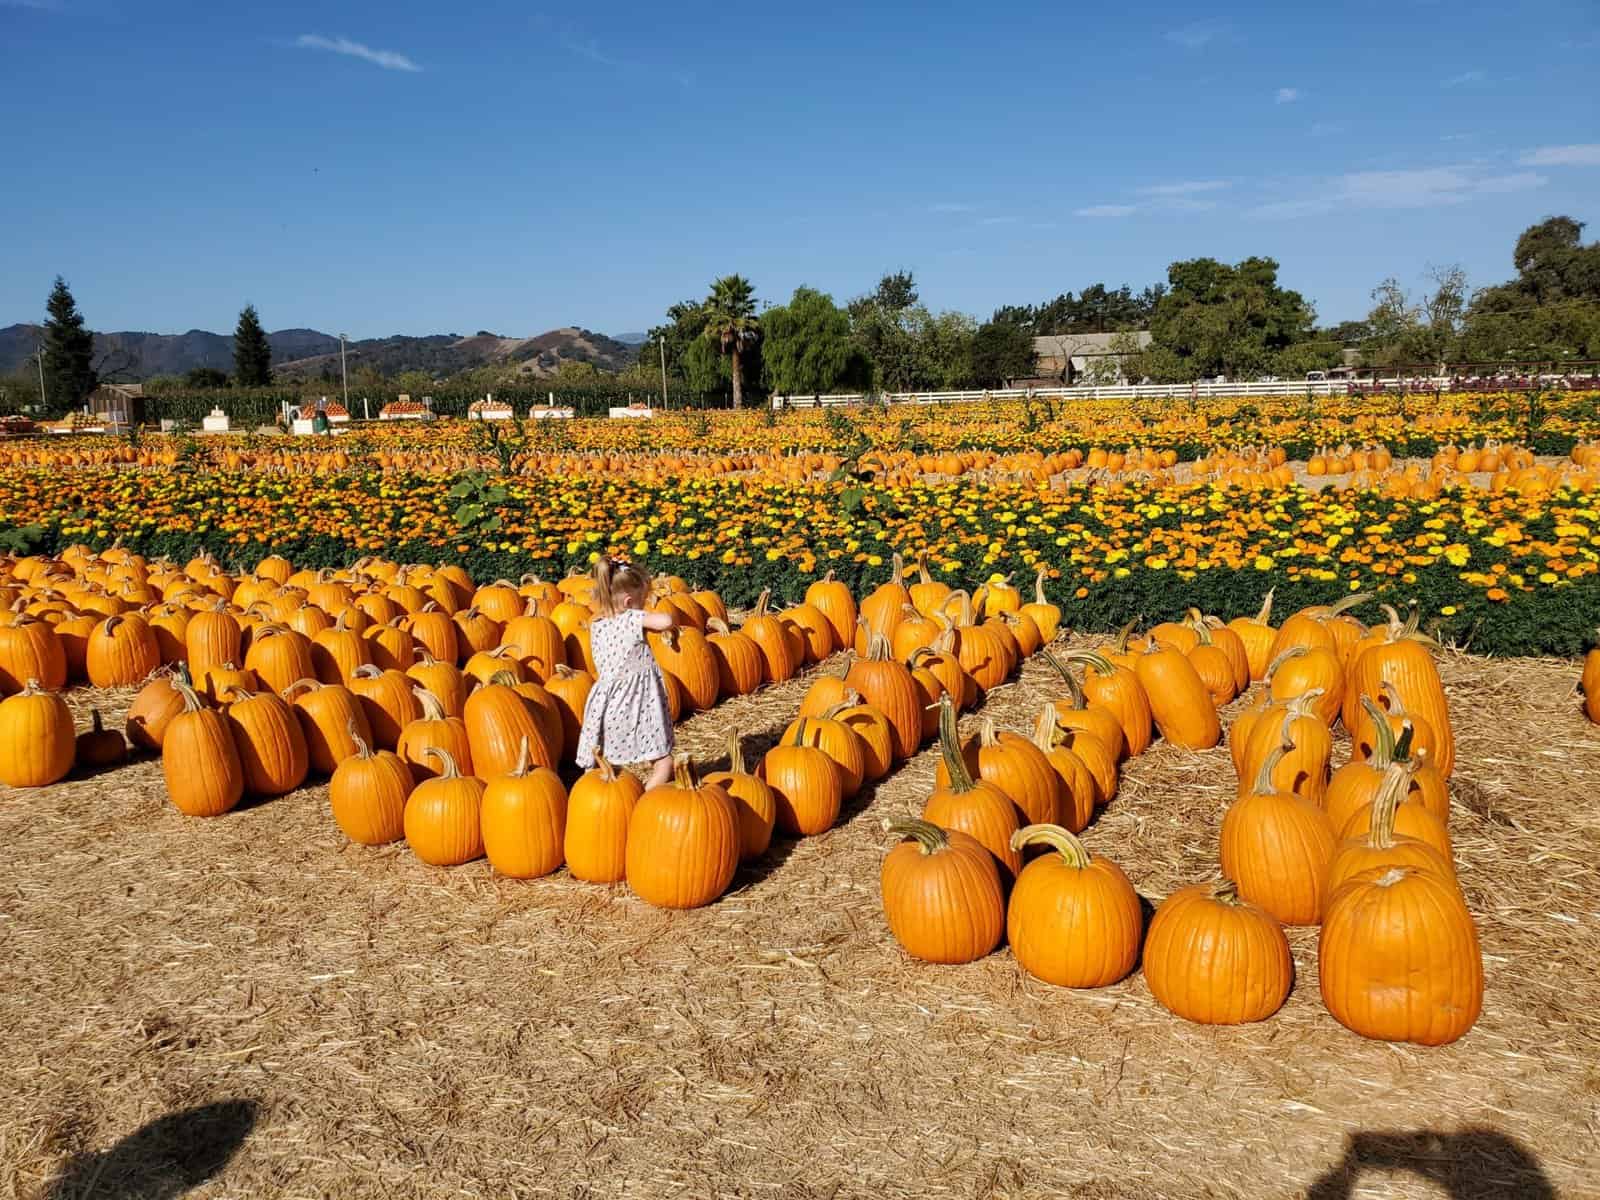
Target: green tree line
x=1208, y=318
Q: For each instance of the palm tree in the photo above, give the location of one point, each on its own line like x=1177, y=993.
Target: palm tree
x=732, y=325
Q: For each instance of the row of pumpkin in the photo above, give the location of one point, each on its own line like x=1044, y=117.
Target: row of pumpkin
x=1363, y=851
x=459, y=757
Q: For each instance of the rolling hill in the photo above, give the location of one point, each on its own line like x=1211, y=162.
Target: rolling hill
x=303, y=352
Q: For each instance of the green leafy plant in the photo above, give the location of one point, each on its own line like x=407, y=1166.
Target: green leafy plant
x=476, y=501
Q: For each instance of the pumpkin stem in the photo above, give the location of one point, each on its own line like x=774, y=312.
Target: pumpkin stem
x=1038, y=588
x=1402, y=744
x=799, y=733
x=1226, y=891
x=1383, y=743
x=608, y=773
x=986, y=733
x=191, y=699
x=447, y=762
x=922, y=567
x=1346, y=603
x=761, y=603
x=1057, y=838
x=718, y=625
x=503, y=679
x=1044, y=729
x=897, y=568
x=926, y=834
x=1290, y=653
x=1269, y=764
x=735, y=754
x=1120, y=643
x=879, y=650
x=962, y=599
x=683, y=771
x=362, y=749
x=96, y=722
x=524, y=759
x=1074, y=688
x=1302, y=705
x=955, y=763
x=1096, y=662
x=432, y=706
x=1265, y=615
x=1391, y=791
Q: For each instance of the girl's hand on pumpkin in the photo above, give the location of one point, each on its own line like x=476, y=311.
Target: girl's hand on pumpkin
x=658, y=622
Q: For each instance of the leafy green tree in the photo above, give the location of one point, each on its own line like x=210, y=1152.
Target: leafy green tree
x=705, y=370
x=1318, y=354
x=732, y=325
x=1217, y=319
x=1425, y=331
x=881, y=328
x=943, y=348
x=1001, y=351
x=205, y=378
x=1097, y=309
x=805, y=344
x=1551, y=310
x=252, y=357
x=68, y=352
x=685, y=325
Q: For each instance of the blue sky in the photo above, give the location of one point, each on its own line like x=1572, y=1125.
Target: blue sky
x=425, y=168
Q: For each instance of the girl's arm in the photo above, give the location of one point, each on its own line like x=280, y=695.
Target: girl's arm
x=656, y=622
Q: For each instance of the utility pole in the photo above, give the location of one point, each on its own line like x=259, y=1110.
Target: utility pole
x=661, y=339
x=40, y=356
x=343, y=374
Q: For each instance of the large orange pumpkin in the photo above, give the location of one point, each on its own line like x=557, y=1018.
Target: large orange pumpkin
x=1074, y=919
x=941, y=893
x=1398, y=958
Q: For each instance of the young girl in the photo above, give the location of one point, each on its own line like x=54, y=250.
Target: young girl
x=625, y=717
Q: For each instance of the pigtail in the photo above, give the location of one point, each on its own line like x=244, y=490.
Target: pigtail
x=604, y=570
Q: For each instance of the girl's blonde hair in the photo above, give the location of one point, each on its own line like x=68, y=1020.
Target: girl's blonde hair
x=615, y=577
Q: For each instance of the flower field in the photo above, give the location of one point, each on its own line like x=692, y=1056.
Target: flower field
x=1129, y=513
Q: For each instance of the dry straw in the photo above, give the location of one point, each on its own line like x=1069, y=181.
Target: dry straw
x=408, y=1031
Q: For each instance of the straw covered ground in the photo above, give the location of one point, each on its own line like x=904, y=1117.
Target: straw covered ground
x=251, y=1006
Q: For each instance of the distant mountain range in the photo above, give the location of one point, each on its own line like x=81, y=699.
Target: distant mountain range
x=298, y=353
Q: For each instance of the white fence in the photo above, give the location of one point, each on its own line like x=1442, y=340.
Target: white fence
x=1146, y=391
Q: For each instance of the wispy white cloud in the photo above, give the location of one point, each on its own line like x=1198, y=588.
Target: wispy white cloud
x=1195, y=35
x=1563, y=156
x=1463, y=79
x=1286, y=95
x=1458, y=137
x=590, y=49
x=1107, y=210
x=949, y=206
x=1187, y=187
x=389, y=60
x=1328, y=128
x=1425, y=187
x=36, y=5
x=1517, y=181
x=998, y=221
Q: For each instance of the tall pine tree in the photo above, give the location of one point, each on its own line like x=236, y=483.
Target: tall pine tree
x=68, y=352
x=252, y=357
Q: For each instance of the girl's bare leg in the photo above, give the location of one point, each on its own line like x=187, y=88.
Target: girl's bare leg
x=660, y=773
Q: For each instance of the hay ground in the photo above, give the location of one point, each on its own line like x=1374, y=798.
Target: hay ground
x=369, y=1026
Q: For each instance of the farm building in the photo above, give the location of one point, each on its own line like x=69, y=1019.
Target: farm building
x=118, y=403
x=1080, y=357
